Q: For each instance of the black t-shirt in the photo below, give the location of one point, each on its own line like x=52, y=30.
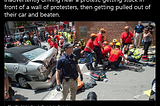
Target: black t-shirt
x=150, y=28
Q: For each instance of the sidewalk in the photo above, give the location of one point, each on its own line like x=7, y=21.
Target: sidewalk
x=151, y=51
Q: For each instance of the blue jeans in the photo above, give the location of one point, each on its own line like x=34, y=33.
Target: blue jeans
x=88, y=56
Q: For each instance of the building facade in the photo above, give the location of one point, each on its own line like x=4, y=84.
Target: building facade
x=114, y=29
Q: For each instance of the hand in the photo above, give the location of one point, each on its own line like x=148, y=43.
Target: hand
x=6, y=95
x=81, y=77
x=58, y=87
x=142, y=41
x=92, y=51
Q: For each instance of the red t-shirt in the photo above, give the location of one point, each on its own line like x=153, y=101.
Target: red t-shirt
x=128, y=39
x=107, y=49
x=98, y=38
x=114, y=55
x=58, y=37
x=89, y=44
x=49, y=40
x=55, y=45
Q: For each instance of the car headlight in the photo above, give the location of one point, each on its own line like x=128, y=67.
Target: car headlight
x=42, y=69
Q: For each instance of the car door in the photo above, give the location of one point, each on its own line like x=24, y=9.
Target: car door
x=11, y=64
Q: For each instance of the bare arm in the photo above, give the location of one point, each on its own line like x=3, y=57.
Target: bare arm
x=57, y=77
x=120, y=40
x=88, y=48
x=100, y=43
x=6, y=88
x=134, y=32
x=78, y=68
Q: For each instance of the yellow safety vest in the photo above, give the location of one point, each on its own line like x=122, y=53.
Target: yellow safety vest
x=136, y=54
x=81, y=44
x=28, y=41
x=5, y=69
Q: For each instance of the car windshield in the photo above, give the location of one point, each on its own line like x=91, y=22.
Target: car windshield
x=33, y=53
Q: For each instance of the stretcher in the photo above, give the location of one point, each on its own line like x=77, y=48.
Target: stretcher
x=134, y=66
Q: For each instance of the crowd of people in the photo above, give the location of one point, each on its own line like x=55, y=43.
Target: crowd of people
x=113, y=52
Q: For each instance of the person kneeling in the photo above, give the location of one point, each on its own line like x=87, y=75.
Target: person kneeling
x=115, y=58
x=133, y=54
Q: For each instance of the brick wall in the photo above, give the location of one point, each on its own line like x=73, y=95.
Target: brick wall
x=114, y=29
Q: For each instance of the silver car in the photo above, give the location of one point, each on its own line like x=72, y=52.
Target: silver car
x=31, y=66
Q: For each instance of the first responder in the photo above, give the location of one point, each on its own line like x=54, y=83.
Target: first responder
x=126, y=37
x=66, y=36
x=107, y=48
x=115, y=57
x=82, y=44
x=88, y=50
x=133, y=54
x=67, y=69
x=97, y=47
x=57, y=37
x=26, y=41
x=114, y=43
x=70, y=37
x=49, y=41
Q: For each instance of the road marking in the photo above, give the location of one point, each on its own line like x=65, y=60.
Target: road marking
x=87, y=73
x=53, y=95
x=137, y=96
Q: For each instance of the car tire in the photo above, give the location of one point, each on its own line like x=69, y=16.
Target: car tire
x=22, y=80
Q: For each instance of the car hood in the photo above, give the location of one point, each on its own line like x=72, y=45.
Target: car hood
x=46, y=57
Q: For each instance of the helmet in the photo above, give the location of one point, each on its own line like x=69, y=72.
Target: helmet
x=126, y=27
x=82, y=40
x=103, y=30
x=105, y=42
x=61, y=37
x=93, y=35
x=118, y=44
x=25, y=37
x=114, y=40
x=111, y=43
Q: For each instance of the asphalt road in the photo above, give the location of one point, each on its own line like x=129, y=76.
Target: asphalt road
x=123, y=86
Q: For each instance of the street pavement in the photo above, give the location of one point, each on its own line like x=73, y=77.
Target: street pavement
x=126, y=85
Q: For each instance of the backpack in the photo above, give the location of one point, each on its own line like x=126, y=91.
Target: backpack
x=97, y=76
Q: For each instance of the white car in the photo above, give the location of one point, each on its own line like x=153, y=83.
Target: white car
x=31, y=65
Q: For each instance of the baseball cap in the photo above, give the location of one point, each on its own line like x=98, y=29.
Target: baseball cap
x=67, y=44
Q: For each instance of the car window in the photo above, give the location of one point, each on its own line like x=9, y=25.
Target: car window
x=33, y=53
x=9, y=58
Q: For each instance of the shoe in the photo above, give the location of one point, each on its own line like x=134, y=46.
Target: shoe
x=87, y=66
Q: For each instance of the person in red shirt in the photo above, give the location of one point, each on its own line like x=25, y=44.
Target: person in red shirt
x=54, y=44
x=97, y=47
x=115, y=57
x=50, y=41
x=107, y=49
x=58, y=37
x=126, y=37
x=88, y=50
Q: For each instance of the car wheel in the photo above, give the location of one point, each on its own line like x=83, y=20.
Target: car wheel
x=22, y=80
